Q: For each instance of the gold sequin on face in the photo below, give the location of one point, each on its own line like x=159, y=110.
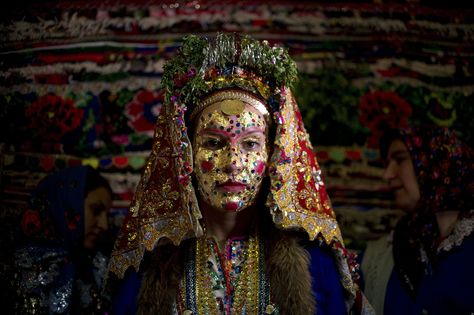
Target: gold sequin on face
x=230, y=155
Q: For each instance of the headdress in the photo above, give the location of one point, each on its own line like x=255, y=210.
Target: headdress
x=232, y=94
x=165, y=204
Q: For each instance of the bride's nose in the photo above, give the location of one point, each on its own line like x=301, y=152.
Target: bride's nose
x=233, y=161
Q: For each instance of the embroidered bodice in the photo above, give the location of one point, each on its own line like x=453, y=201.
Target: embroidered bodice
x=224, y=267
x=224, y=281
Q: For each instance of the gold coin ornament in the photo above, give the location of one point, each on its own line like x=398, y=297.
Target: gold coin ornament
x=232, y=107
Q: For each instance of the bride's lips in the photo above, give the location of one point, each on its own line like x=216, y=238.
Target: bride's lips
x=231, y=186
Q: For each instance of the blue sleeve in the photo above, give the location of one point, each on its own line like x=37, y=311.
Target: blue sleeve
x=326, y=283
x=124, y=301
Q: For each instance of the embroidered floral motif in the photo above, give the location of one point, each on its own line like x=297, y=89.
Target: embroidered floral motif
x=382, y=109
x=31, y=222
x=143, y=110
x=53, y=117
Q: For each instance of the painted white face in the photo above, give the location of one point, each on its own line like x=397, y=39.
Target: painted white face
x=230, y=154
x=96, y=208
x=401, y=176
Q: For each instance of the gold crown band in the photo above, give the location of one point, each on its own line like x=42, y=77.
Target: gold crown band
x=240, y=95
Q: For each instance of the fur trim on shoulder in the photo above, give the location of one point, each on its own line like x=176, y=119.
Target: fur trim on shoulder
x=287, y=265
x=160, y=282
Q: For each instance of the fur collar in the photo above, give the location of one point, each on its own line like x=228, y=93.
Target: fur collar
x=287, y=269
x=287, y=265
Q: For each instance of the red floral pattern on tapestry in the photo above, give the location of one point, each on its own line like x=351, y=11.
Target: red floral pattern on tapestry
x=143, y=110
x=30, y=222
x=380, y=110
x=53, y=117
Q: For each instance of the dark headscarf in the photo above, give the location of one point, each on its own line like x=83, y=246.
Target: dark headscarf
x=56, y=212
x=444, y=170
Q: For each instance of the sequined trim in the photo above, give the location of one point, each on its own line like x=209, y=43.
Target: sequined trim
x=298, y=198
x=44, y=281
x=264, y=295
x=190, y=279
x=219, y=96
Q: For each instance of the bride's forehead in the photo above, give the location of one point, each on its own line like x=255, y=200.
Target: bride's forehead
x=231, y=113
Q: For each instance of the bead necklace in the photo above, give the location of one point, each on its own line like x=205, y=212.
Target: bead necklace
x=246, y=293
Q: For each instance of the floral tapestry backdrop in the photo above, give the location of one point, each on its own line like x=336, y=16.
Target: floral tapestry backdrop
x=80, y=84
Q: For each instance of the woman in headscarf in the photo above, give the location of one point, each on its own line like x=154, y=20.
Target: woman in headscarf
x=60, y=267
x=231, y=202
x=427, y=267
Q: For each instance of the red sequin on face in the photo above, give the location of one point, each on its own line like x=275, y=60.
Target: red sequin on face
x=260, y=168
x=207, y=166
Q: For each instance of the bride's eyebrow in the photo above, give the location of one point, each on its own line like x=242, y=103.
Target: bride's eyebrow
x=213, y=131
x=253, y=133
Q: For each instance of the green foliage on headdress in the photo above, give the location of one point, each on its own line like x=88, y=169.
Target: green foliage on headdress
x=184, y=74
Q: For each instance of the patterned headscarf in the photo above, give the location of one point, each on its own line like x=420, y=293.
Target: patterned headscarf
x=445, y=174
x=165, y=204
x=56, y=213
